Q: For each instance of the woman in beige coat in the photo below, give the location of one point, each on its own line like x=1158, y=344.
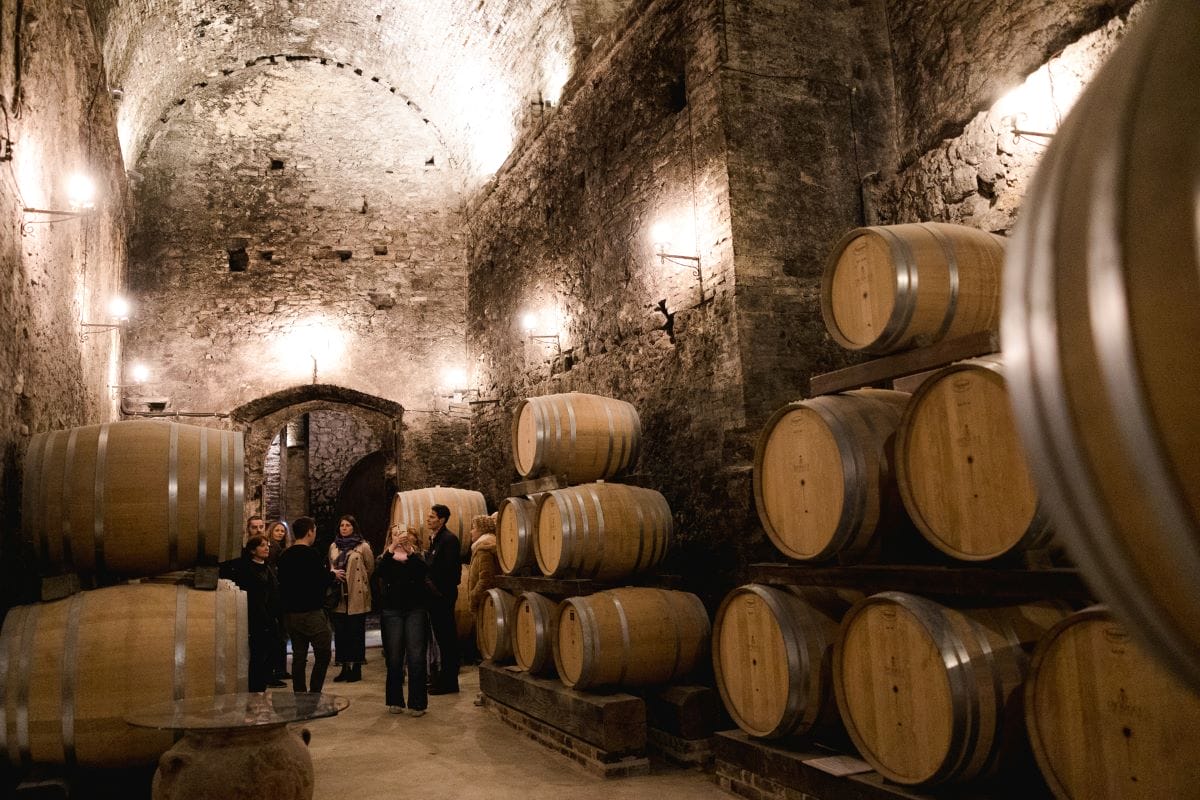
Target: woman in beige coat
x=353, y=563
x=484, y=565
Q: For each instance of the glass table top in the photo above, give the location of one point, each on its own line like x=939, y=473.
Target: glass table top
x=229, y=711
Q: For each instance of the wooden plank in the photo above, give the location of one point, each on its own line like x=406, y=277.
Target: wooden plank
x=688, y=712
x=880, y=371
x=533, y=486
x=551, y=587
x=975, y=582
x=615, y=723
x=596, y=761
x=56, y=587
x=774, y=770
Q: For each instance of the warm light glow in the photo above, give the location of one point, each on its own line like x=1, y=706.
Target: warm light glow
x=481, y=90
x=311, y=339
x=1046, y=96
x=455, y=378
x=139, y=372
x=660, y=235
x=529, y=322
x=119, y=308
x=81, y=192
x=557, y=73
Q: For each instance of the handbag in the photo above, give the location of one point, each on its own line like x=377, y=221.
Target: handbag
x=333, y=596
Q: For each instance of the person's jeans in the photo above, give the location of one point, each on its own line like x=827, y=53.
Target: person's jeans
x=405, y=638
x=350, y=638
x=305, y=628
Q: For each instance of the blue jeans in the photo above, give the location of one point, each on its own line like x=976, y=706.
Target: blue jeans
x=405, y=639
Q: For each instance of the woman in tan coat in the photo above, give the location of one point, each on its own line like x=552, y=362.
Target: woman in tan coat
x=484, y=565
x=353, y=563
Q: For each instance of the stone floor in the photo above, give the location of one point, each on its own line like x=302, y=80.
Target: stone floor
x=459, y=751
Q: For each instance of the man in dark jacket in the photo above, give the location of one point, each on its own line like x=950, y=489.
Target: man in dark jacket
x=304, y=577
x=445, y=570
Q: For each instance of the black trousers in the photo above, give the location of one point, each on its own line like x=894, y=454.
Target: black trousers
x=441, y=619
x=350, y=638
x=305, y=628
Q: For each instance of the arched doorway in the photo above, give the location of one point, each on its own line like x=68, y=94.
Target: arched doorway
x=302, y=445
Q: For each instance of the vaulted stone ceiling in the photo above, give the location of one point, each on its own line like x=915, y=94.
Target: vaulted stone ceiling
x=471, y=69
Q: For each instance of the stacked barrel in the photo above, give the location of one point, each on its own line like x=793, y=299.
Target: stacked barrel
x=113, y=502
x=590, y=529
x=920, y=688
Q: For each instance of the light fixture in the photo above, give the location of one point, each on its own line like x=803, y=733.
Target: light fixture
x=139, y=373
x=529, y=324
x=660, y=234
x=118, y=310
x=1013, y=123
x=81, y=199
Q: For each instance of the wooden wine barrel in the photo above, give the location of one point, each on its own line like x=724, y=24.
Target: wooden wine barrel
x=923, y=689
x=494, y=624
x=892, y=287
x=1107, y=720
x=134, y=498
x=772, y=650
x=516, y=534
x=533, y=636
x=823, y=482
x=961, y=468
x=70, y=670
x=410, y=508
x=584, y=437
x=602, y=531
x=629, y=637
x=1101, y=320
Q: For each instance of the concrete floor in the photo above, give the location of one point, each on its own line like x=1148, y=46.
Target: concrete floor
x=459, y=751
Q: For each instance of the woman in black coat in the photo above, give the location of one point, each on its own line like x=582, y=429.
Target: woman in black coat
x=400, y=575
x=256, y=577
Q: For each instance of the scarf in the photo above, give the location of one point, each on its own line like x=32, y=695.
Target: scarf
x=345, y=546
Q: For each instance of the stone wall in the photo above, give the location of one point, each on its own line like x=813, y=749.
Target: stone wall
x=57, y=120
x=291, y=236
x=807, y=104
x=636, y=153
x=335, y=443
x=980, y=176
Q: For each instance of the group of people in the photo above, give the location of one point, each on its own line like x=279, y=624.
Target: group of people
x=315, y=599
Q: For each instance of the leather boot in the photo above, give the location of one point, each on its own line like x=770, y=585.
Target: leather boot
x=344, y=675
x=355, y=674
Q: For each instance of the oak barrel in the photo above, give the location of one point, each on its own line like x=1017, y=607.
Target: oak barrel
x=134, y=498
x=772, y=655
x=584, y=437
x=516, y=534
x=924, y=690
x=892, y=287
x=1101, y=321
x=534, y=633
x=823, y=480
x=494, y=622
x=411, y=507
x=961, y=468
x=70, y=670
x=602, y=531
x=1107, y=720
x=629, y=637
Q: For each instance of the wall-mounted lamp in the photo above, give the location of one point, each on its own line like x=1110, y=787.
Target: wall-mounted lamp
x=1013, y=123
x=661, y=235
x=138, y=373
x=81, y=200
x=118, y=310
x=529, y=324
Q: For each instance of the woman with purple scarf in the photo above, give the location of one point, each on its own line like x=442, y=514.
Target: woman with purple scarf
x=353, y=562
